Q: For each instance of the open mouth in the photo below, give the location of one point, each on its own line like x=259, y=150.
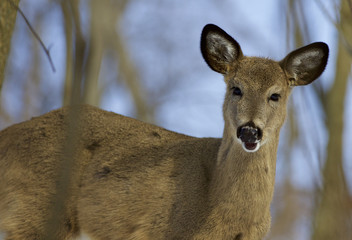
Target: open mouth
x=250, y=147
x=250, y=137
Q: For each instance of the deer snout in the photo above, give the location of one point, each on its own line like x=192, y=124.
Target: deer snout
x=250, y=137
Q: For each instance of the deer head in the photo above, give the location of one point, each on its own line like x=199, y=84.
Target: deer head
x=258, y=88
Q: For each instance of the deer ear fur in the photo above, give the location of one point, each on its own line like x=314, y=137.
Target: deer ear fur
x=220, y=51
x=305, y=64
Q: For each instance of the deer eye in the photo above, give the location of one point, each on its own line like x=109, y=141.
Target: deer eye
x=236, y=91
x=275, y=97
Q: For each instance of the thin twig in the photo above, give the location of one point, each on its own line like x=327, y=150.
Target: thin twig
x=47, y=52
x=345, y=42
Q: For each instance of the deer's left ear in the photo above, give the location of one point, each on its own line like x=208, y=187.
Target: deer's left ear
x=305, y=64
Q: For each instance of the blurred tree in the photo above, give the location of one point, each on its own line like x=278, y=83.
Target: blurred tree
x=330, y=214
x=333, y=218
x=73, y=96
x=68, y=28
x=291, y=203
x=104, y=35
x=127, y=68
x=8, y=15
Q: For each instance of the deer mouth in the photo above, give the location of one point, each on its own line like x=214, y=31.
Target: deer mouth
x=250, y=137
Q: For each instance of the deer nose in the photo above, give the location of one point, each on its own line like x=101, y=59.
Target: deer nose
x=249, y=133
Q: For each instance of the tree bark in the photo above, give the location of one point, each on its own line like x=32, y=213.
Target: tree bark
x=8, y=15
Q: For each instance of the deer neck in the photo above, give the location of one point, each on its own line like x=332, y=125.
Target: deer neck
x=246, y=179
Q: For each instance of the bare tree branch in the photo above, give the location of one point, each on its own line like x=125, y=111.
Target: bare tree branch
x=337, y=24
x=46, y=50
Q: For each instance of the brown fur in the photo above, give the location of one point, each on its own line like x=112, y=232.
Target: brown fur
x=133, y=180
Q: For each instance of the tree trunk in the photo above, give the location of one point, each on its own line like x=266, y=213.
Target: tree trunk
x=8, y=15
x=333, y=218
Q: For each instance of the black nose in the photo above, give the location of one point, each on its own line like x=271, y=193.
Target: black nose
x=249, y=133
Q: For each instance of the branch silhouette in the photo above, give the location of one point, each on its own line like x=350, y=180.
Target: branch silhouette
x=46, y=50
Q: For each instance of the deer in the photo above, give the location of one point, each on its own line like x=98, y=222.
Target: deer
x=134, y=180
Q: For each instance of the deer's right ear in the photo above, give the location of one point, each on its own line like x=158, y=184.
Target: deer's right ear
x=220, y=51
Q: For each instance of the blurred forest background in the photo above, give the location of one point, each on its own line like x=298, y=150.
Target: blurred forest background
x=142, y=59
